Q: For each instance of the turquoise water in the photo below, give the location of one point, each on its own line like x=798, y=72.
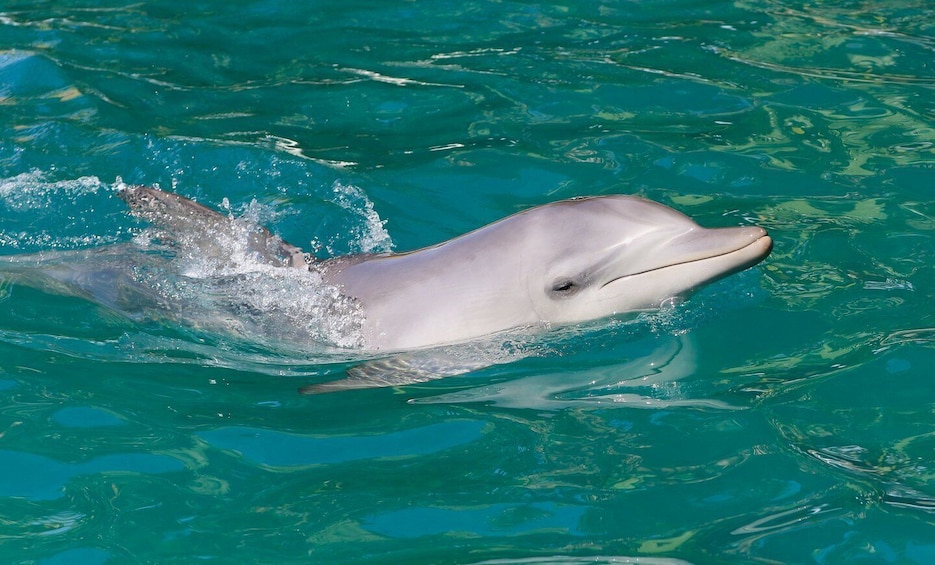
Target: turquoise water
x=781, y=415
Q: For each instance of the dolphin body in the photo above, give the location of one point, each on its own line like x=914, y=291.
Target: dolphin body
x=561, y=263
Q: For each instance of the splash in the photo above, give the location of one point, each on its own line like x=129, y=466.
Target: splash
x=366, y=229
x=226, y=280
x=216, y=276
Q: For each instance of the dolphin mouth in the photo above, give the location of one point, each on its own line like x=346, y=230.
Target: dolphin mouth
x=737, y=259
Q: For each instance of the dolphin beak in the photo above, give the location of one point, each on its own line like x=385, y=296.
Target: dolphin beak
x=703, y=243
x=718, y=252
x=735, y=249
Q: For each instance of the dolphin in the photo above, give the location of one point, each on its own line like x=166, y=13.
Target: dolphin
x=561, y=263
x=418, y=315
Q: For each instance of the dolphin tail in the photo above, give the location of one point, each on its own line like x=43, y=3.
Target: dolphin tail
x=186, y=223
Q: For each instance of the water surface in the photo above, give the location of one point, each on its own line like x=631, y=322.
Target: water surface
x=781, y=415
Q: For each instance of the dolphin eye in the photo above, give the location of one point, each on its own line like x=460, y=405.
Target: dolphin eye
x=564, y=288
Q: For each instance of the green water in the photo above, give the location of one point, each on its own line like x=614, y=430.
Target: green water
x=782, y=415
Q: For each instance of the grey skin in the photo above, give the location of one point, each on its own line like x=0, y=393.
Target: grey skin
x=561, y=263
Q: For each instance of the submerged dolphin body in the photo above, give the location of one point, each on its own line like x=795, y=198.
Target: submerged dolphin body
x=561, y=263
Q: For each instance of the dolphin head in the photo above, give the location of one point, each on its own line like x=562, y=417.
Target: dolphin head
x=606, y=255
x=565, y=262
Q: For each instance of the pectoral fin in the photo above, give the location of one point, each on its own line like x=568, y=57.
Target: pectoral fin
x=400, y=370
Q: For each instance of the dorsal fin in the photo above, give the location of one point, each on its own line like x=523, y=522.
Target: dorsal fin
x=181, y=219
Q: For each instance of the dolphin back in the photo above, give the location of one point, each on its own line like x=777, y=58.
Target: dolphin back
x=185, y=223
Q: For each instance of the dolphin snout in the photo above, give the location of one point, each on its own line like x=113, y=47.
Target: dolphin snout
x=703, y=243
x=758, y=238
